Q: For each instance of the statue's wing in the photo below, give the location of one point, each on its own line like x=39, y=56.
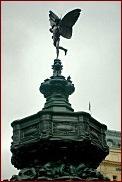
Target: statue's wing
x=67, y=23
x=53, y=18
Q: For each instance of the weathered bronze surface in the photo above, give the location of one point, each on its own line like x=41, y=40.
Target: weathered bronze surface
x=58, y=143
x=56, y=134
x=62, y=27
x=57, y=89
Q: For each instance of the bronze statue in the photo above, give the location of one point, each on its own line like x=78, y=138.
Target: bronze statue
x=62, y=27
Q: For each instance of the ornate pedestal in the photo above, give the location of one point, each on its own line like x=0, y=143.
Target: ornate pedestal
x=58, y=143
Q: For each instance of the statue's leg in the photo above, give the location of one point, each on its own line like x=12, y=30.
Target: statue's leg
x=57, y=52
x=65, y=50
x=57, y=48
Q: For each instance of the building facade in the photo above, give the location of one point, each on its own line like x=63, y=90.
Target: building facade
x=111, y=166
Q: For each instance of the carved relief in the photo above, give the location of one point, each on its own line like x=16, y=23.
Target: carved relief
x=81, y=126
x=95, y=136
x=30, y=132
x=60, y=171
x=45, y=129
x=64, y=128
x=16, y=136
x=64, y=118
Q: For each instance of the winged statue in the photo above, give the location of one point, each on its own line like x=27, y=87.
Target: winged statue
x=62, y=27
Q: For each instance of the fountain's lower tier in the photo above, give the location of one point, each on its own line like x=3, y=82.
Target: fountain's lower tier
x=58, y=145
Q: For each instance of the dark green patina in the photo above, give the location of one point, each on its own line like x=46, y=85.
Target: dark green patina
x=58, y=143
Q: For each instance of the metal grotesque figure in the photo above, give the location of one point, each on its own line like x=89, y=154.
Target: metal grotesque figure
x=62, y=27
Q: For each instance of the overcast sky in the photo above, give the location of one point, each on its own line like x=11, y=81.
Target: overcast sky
x=93, y=62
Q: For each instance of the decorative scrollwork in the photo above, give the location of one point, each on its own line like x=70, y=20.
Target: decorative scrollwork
x=59, y=170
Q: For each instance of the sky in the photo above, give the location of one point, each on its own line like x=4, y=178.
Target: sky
x=93, y=62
